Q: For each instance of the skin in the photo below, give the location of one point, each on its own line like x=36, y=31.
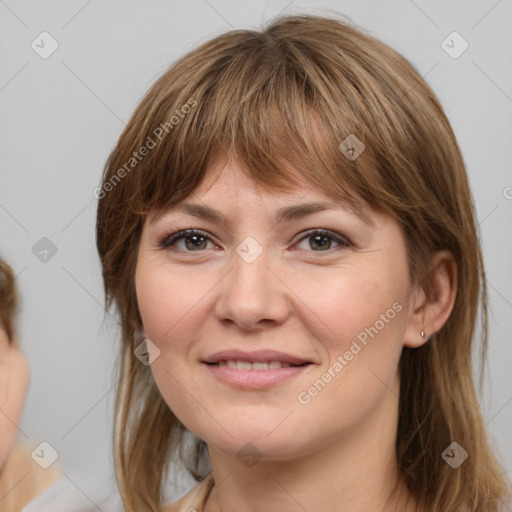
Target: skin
x=337, y=451
x=14, y=381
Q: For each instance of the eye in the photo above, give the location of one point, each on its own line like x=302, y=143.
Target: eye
x=320, y=240
x=195, y=240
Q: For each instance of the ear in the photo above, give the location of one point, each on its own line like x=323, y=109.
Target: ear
x=431, y=302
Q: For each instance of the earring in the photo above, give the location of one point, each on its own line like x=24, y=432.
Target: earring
x=422, y=333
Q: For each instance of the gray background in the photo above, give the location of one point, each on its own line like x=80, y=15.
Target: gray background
x=61, y=116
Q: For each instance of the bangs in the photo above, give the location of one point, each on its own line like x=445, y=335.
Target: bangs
x=273, y=109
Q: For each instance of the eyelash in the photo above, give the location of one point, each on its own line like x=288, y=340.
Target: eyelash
x=169, y=240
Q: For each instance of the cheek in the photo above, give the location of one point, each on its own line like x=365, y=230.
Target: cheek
x=169, y=306
x=358, y=304
x=174, y=308
x=164, y=299
x=358, y=320
x=14, y=380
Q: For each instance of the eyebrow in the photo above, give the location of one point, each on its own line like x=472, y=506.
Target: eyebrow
x=285, y=214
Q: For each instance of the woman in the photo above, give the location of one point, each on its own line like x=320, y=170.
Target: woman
x=284, y=378
x=21, y=479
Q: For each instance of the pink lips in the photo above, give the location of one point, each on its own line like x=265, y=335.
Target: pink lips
x=255, y=356
x=251, y=379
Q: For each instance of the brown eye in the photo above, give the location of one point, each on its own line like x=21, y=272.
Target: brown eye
x=194, y=240
x=321, y=240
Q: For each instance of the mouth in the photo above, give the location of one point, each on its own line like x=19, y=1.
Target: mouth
x=257, y=370
x=238, y=364
x=263, y=359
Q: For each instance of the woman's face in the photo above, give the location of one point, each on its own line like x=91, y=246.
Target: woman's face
x=14, y=379
x=265, y=287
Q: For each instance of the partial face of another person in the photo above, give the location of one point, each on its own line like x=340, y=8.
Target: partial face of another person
x=326, y=289
x=14, y=380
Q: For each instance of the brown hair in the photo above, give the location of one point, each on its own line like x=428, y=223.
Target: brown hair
x=8, y=299
x=281, y=101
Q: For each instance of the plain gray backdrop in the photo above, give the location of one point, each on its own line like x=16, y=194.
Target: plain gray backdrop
x=61, y=116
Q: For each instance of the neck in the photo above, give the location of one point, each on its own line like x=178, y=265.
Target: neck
x=356, y=472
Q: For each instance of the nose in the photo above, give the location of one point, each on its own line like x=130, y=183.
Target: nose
x=253, y=295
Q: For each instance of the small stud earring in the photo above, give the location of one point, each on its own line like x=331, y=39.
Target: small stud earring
x=422, y=334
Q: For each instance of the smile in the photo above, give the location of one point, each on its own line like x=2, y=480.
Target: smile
x=258, y=365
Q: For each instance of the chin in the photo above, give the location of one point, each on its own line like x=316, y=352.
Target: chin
x=257, y=441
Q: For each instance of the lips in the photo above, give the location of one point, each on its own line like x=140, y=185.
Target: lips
x=241, y=359
x=257, y=365
x=255, y=371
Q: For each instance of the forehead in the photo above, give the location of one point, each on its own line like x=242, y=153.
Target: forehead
x=226, y=185
x=226, y=176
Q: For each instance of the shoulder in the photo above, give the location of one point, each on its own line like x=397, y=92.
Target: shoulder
x=22, y=479
x=193, y=500
x=83, y=491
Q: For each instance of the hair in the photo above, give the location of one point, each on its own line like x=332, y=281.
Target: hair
x=8, y=299
x=281, y=101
